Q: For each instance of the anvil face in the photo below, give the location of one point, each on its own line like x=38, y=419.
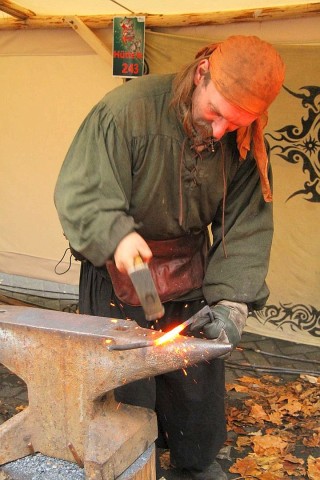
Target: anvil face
x=71, y=374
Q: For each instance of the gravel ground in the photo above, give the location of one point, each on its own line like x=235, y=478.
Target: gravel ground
x=39, y=467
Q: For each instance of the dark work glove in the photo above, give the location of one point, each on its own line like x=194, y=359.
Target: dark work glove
x=227, y=316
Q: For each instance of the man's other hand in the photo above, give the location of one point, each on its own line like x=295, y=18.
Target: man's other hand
x=228, y=316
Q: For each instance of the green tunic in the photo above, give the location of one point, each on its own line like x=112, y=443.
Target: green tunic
x=130, y=167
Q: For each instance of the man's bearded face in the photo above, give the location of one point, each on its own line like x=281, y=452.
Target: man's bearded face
x=213, y=116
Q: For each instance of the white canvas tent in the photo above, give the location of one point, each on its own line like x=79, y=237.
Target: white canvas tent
x=55, y=64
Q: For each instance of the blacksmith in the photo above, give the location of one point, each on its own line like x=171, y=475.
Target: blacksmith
x=155, y=162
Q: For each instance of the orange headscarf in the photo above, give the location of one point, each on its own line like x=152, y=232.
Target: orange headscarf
x=248, y=72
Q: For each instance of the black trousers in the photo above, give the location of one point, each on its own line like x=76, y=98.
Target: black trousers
x=190, y=403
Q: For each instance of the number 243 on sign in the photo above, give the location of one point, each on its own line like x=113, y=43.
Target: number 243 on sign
x=132, y=68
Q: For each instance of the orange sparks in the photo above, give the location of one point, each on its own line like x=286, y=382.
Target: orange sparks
x=169, y=336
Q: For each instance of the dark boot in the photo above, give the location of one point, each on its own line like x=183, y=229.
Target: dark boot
x=212, y=472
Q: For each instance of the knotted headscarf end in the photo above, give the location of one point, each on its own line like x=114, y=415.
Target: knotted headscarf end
x=253, y=134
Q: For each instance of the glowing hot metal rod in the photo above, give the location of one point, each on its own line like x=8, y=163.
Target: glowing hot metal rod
x=166, y=337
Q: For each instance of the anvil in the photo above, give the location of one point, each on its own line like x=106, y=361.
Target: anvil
x=71, y=373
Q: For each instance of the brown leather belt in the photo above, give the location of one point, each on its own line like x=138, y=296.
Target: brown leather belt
x=177, y=267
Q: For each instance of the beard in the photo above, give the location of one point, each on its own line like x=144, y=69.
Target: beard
x=202, y=133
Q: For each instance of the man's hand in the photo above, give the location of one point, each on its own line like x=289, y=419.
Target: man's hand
x=228, y=316
x=129, y=248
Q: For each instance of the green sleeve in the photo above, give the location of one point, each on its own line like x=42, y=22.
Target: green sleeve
x=239, y=273
x=94, y=187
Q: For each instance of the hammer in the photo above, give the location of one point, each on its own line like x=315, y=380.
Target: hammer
x=146, y=290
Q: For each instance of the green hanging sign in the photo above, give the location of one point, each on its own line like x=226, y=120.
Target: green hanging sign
x=128, y=46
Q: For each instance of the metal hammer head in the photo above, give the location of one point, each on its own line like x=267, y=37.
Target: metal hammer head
x=146, y=290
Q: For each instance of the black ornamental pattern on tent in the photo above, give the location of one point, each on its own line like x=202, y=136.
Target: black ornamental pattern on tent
x=303, y=318
x=300, y=144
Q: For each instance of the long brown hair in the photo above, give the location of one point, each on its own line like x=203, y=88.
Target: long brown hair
x=183, y=87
